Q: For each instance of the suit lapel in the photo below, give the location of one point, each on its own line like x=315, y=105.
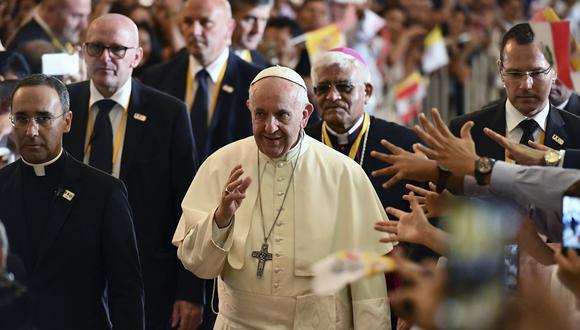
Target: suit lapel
x=555, y=130
x=497, y=122
x=62, y=206
x=75, y=139
x=225, y=98
x=134, y=128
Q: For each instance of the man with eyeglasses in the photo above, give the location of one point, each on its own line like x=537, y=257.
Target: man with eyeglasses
x=143, y=137
x=342, y=88
x=526, y=114
x=69, y=223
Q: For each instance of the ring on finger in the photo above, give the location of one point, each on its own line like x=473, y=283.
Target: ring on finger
x=227, y=191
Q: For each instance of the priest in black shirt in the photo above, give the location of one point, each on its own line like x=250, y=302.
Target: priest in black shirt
x=71, y=224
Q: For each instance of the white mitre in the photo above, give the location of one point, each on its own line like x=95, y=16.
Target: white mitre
x=280, y=72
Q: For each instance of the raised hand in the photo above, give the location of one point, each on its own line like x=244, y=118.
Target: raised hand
x=404, y=165
x=456, y=154
x=432, y=203
x=232, y=196
x=522, y=154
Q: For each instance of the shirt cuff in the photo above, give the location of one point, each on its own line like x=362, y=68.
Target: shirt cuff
x=220, y=235
x=562, y=155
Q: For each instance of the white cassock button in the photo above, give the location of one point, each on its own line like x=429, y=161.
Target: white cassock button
x=278, y=209
x=276, y=285
x=280, y=179
x=280, y=194
x=278, y=255
x=281, y=164
x=277, y=270
x=278, y=240
x=279, y=224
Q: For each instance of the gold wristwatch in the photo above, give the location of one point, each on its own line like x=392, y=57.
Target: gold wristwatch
x=552, y=158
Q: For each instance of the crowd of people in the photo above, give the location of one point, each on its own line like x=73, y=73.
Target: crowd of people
x=183, y=164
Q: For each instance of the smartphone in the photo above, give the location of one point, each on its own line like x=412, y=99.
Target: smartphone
x=6, y=88
x=570, y=223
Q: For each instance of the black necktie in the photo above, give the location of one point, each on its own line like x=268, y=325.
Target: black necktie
x=199, y=111
x=529, y=126
x=102, y=138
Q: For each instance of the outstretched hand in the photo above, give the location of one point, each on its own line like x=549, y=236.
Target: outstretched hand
x=456, y=154
x=404, y=165
x=522, y=154
x=232, y=196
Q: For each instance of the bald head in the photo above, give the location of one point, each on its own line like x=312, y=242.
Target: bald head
x=111, y=52
x=207, y=26
x=68, y=19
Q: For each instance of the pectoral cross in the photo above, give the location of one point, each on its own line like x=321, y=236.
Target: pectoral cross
x=262, y=256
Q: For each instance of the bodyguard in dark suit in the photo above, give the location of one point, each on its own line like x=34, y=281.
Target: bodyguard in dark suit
x=526, y=113
x=71, y=224
x=142, y=136
x=58, y=22
x=208, y=77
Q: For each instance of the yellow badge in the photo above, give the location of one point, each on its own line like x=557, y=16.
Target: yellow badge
x=557, y=139
x=140, y=117
x=68, y=195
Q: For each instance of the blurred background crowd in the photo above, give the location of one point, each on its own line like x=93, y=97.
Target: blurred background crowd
x=390, y=35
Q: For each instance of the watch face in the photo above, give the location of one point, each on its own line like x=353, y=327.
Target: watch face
x=552, y=157
x=484, y=165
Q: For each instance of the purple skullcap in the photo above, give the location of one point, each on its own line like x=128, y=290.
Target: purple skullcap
x=351, y=52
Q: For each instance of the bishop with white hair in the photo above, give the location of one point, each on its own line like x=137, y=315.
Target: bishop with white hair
x=261, y=211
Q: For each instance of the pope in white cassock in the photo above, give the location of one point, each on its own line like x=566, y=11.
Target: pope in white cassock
x=262, y=210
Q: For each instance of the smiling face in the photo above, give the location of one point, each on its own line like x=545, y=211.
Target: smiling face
x=38, y=144
x=280, y=110
x=109, y=72
x=341, y=107
x=527, y=94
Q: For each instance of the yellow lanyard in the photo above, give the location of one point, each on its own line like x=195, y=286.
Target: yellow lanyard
x=541, y=139
x=118, y=137
x=216, y=91
x=354, y=149
x=68, y=47
x=247, y=56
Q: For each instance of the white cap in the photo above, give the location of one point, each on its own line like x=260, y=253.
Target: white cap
x=280, y=72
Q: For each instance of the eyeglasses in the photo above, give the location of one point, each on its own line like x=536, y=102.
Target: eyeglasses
x=343, y=87
x=116, y=51
x=539, y=75
x=21, y=121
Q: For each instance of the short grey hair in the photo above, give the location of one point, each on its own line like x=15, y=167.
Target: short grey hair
x=343, y=61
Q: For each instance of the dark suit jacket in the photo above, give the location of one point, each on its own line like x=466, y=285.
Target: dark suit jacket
x=231, y=120
x=258, y=59
x=88, y=246
x=158, y=164
x=573, y=105
x=31, y=31
x=560, y=123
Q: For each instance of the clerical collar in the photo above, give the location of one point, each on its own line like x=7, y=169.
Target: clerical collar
x=342, y=138
x=40, y=169
x=514, y=117
x=213, y=69
x=121, y=96
x=291, y=154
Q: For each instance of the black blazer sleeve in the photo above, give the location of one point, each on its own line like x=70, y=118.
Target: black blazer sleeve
x=122, y=268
